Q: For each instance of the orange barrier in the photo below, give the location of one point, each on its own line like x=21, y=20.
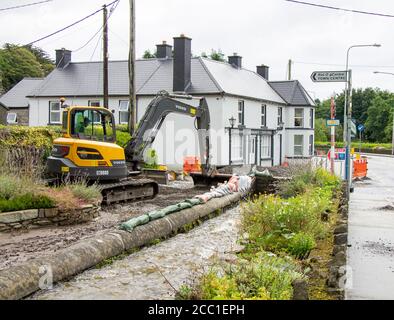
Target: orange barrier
x=191, y=164
x=360, y=168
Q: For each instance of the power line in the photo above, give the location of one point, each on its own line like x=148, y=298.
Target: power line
x=70, y=25
x=25, y=5
x=340, y=65
x=342, y=9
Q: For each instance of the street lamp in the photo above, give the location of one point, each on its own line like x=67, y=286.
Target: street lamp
x=392, y=139
x=348, y=112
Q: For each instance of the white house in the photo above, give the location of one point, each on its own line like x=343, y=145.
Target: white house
x=253, y=121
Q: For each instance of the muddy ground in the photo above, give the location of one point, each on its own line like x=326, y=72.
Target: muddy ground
x=21, y=246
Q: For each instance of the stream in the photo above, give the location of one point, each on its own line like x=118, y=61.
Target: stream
x=156, y=272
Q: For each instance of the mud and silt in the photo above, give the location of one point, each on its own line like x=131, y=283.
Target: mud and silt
x=21, y=246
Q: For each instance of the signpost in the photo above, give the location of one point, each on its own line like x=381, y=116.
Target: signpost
x=332, y=123
x=360, y=129
x=329, y=76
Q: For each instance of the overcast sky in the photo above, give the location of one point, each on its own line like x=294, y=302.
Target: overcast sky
x=262, y=31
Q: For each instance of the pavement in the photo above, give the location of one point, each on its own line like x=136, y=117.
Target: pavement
x=370, y=273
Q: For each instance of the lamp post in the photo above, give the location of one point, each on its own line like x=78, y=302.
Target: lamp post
x=347, y=118
x=392, y=139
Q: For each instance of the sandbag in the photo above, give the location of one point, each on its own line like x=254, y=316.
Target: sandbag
x=134, y=222
x=157, y=214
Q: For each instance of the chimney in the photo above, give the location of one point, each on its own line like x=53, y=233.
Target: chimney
x=263, y=71
x=182, y=63
x=235, y=60
x=163, y=51
x=63, y=58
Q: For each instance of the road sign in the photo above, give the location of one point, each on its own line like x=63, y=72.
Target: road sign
x=353, y=128
x=339, y=154
x=360, y=127
x=332, y=122
x=329, y=76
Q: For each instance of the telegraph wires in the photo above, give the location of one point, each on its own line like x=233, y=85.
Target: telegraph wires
x=25, y=5
x=70, y=25
x=341, y=9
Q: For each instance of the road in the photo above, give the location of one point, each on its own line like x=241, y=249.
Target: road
x=371, y=234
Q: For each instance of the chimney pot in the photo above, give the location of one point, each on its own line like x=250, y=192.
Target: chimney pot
x=163, y=51
x=263, y=71
x=63, y=58
x=235, y=60
x=182, y=63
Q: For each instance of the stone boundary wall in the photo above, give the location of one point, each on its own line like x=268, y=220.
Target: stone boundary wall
x=36, y=218
x=337, y=266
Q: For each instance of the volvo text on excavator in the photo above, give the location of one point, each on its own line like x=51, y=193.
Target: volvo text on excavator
x=88, y=146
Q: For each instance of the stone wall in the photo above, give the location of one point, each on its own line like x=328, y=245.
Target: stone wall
x=22, y=116
x=36, y=218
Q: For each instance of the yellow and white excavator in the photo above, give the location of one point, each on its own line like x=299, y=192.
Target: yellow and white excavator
x=88, y=147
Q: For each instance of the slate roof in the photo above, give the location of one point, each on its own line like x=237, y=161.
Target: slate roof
x=292, y=92
x=16, y=96
x=153, y=75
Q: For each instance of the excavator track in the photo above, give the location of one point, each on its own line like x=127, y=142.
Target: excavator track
x=128, y=190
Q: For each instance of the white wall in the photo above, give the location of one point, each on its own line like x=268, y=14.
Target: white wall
x=39, y=108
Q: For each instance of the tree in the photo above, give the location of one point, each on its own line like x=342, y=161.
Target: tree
x=217, y=55
x=17, y=62
x=148, y=55
x=379, y=116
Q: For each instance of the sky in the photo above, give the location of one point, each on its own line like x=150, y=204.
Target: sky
x=266, y=32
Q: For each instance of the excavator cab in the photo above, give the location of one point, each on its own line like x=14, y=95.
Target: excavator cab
x=88, y=146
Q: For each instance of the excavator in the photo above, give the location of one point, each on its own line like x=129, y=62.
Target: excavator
x=88, y=147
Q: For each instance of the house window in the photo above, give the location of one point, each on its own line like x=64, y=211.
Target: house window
x=298, y=145
x=298, y=117
x=311, y=118
x=241, y=112
x=11, y=118
x=280, y=115
x=54, y=112
x=237, y=147
x=123, y=111
x=311, y=145
x=263, y=115
x=265, y=147
x=95, y=103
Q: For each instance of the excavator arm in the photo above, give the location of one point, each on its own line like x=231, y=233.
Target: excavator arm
x=153, y=119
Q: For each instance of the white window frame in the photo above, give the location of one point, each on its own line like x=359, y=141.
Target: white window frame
x=263, y=115
x=241, y=112
x=52, y=112
x=123, y=108
x=311, y=120
x=301, y=118
x=298, y=146
x=265, y=150
x=311, y=145
x=280, y=115
x=15, y=118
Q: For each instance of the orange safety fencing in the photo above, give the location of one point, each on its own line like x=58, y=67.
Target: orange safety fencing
x=191, y=164
x=360, y=168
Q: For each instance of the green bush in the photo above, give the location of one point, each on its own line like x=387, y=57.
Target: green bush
x=300, y=245
x=9, y=187
x=122, y=138
x=306, y=177
x=26, y=201
x=265, y=277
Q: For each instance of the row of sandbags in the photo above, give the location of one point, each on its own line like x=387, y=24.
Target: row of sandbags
x=235, y=184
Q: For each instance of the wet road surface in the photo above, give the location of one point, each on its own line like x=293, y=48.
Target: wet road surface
x=371, y=233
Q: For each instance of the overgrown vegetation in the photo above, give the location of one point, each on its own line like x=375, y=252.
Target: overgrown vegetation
x=279, y=232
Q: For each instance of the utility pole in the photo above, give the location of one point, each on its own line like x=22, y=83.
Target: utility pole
x=289, y=69
x=332, y=153
x=132, y=93
x=105, y=56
